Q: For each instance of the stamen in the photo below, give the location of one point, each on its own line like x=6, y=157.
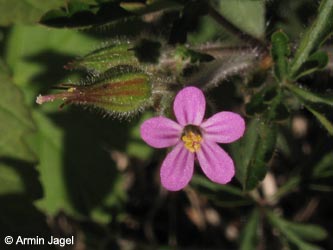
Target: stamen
x=192, y=138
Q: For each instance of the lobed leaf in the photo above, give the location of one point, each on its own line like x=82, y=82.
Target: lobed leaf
x=48, y=144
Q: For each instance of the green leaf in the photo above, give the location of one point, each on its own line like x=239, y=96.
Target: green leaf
x=199, y=181
x=292, y=184
x=48, y=144
x=267, y=103
x=253, y=151
x=296, y=233
x=220, y=195
x=253, y=10
x=151, y=6
x=322, y=119
x=276, y=109
x=10, y=181
x=41, y=48
x=317, y=61
x=306, y=97
x=284, y=145
x=75, y=6
x=317, y=33
x=249, y=235
x=257, y=104
x=307, y=232
x=280, y=52
x=114, y=201
x=16, y=121
x=324, y=168
x=25, y=11
x=76, y=170
x=309, y=96
x=85, y=14
x=207, y=30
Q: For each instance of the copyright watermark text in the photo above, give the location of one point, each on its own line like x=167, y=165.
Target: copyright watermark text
x=38, y=241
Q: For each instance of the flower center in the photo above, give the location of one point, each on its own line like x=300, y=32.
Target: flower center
x=192, y=138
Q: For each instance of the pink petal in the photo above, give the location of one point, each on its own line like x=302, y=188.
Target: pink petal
x=177, y=168
x=189, y=106
x=160, y=132
x=224, y=127
x=215, y=162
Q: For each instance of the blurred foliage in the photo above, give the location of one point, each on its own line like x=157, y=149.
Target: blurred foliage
x=70, y=171
x=236, y=10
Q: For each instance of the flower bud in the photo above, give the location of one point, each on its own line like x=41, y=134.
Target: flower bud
x=105, y=58
x=122, y=90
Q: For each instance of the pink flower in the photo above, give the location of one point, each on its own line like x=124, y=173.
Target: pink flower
x=193, y=137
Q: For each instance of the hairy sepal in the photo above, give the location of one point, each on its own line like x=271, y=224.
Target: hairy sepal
x=121, y=91
x=106, y=57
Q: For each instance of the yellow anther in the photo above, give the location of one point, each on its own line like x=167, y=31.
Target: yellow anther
x=192, y=141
